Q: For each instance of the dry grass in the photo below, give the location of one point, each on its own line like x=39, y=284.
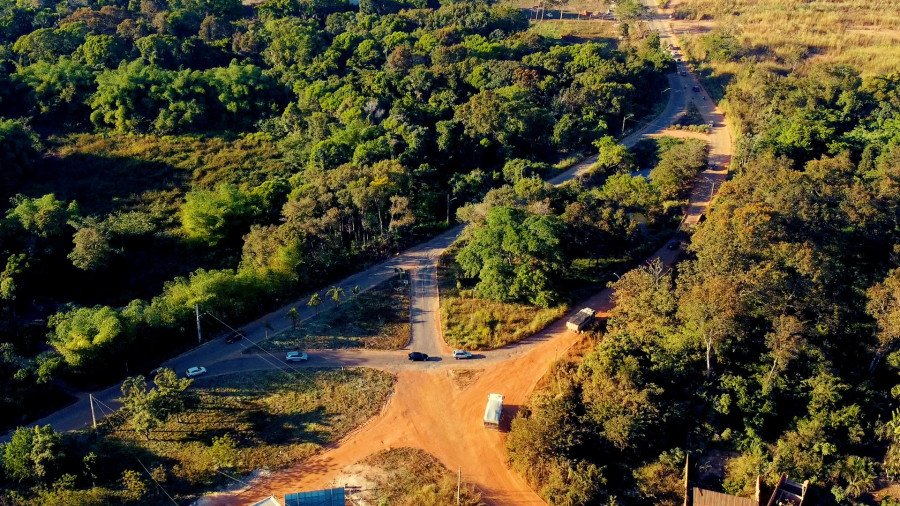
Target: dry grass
x=412, y=477
x=792, y=34
x=473, y=323
x=376, y=319
x=479, y=324
x=571, y=28
x=276, y=419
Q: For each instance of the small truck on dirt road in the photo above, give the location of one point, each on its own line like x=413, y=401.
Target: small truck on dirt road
x=581, y=320
x=492, y=411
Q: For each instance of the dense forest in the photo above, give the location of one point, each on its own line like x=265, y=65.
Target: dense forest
x=772, y=347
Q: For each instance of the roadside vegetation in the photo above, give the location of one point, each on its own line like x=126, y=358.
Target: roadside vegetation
x=412, y=477
x=162, y=154
x=191, y=441
x=772, y=348
x=377, y=319
x=530, y=248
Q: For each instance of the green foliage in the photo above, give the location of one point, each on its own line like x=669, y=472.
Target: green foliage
x=33, y=455
x=209, y=216
x=48, y=44
x=103, y=51
x=19, y=148
x=149, y=408
x=92, y=250
x=514, y=255
x=60, y=89
x=86, y=337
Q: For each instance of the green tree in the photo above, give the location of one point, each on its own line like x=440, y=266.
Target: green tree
x=210, y=216
x=335, y=292
x=294, y=315
x=19, y=148
x=85, y=337
x=33, y=455
x=515, y=256
x=884, y=306
x=314, y=302
x=61, y=89
x=92, y=250
x=101, y=51
x=133, y=485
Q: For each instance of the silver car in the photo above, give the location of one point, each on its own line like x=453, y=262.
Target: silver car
x=296, y=356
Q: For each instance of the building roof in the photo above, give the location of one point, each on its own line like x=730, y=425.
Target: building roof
x=328, y=497
x=702, y=497
x=268, y=501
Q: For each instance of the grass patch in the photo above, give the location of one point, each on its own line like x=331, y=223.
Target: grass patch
x=409, y=476
x=691, y=120
x=272, y=419
x=473, y=323
x=861, y=33
x=377, y=318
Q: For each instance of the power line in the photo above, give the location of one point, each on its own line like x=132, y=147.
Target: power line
x=154, y=481
x=280, y=364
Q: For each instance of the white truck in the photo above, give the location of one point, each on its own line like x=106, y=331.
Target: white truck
x=493, y=411
x=581, y=320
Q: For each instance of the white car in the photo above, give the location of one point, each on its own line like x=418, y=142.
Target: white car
x=461, y=354
x=195, y=371
x=296, y=356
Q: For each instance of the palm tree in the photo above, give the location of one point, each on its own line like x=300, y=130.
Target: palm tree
x=315, y=301
x=294, y=315
x=335, y=292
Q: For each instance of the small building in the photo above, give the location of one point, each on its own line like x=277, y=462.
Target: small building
x=327, y=497
x=786, y=493
x=268, y=501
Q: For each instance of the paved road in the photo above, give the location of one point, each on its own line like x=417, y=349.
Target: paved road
x=421, y=264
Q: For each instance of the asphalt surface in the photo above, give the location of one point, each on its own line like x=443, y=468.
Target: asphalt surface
x=420, y=262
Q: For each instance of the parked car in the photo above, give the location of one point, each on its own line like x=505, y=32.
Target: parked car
x=296, y=356
x=195, y=371
x=234, y=337
x=461, y=354
x=418, y=357
x=695, y=89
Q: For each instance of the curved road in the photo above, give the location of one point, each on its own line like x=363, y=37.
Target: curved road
x=429, y=409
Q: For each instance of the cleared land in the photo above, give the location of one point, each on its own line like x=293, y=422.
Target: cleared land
x=376, y=319
x=862, y=33
x=405, y=477
x=244, y=422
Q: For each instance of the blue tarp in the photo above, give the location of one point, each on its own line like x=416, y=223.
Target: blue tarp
x=329, y=497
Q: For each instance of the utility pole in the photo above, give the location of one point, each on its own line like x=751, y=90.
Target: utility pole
x=458, y=483
x=197, y=312
x=627, y=116
x=93, y=416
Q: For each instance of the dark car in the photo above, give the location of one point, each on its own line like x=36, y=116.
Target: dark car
x=418, y=357
x=233, y=337
x=696, y=89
